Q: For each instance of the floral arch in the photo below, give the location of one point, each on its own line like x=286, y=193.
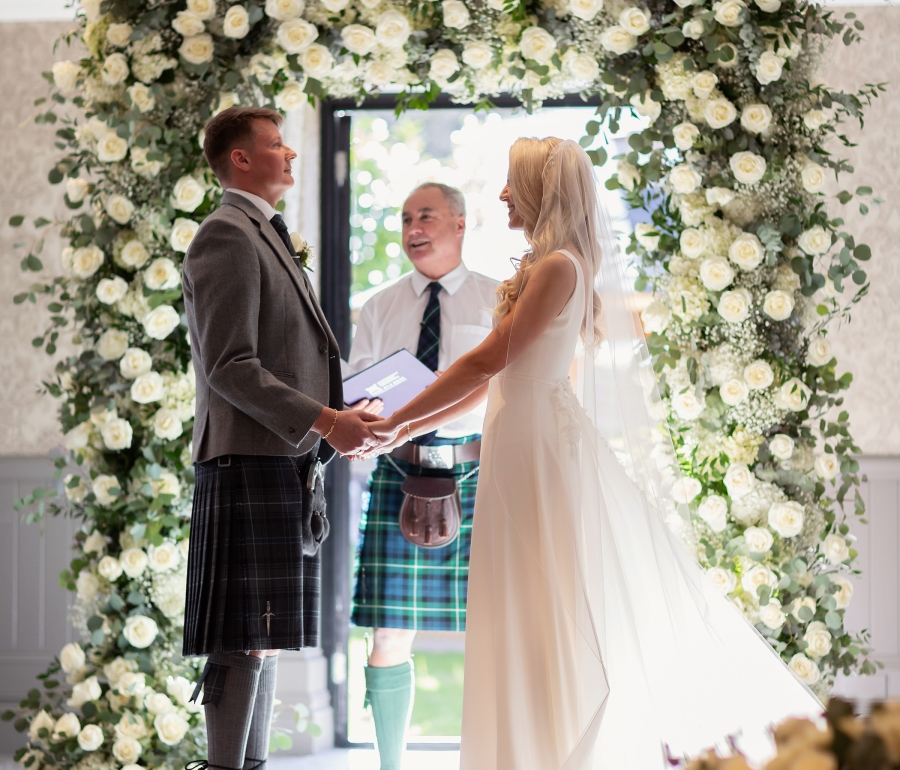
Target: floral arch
x=746, y=264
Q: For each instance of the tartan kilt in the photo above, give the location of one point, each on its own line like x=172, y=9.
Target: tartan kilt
x=398, y=584
x=245, y=559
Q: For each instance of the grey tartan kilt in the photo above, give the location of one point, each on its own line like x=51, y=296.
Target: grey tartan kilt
x=245, y=563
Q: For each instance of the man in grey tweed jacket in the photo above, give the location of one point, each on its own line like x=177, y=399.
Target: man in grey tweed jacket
x=268, y=391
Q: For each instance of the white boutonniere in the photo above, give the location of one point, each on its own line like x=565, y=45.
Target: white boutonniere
x=304, y=251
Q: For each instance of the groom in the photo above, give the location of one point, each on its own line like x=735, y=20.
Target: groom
x=268, y=391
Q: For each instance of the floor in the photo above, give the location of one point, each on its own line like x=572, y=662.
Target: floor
x=362, y=759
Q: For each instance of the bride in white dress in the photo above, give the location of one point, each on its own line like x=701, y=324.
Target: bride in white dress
x=592, y=639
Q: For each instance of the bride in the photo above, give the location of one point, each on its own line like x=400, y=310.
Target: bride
x=593, y=640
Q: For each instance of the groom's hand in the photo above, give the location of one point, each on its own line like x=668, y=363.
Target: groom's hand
x=350, y=433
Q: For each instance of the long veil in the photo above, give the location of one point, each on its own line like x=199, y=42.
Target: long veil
x=659, y=660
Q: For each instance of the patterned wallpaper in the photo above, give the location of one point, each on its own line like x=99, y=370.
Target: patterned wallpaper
x=27, y=421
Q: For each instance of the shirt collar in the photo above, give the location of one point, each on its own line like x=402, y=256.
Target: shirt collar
x=264, y=206
x=451, y=282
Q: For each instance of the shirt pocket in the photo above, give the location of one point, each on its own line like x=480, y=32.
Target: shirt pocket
x=466, y=337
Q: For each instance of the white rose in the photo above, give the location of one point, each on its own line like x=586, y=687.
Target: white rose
x=197, y=49
x=769, y=6
x=805, y=670
x=769, y=68
x=456, y=15
x=111, y=148
x=111, y=290
x=836, y=549
x=758, y=539
x=166, y=425
x=140, y=631
x=296, y=35
x=634, y=21
x=746, y=251
x=126, y=749
x=813, y=178
x=75, y=494
x=715, y=273
x=443, y=64
x=818, y=639
x=686, y=489
x=759, y=375
x=585, y=9
x=747, y=167
x=719, y=196
x=67, y=726
x=65, y=75
x=757, y=576
x=86, y=584
x=141, y=97
x=205, y=9
x=134, y=561
x=237, y=22
x=71, y=658
x=722, y=579
x=188, y=24
x=148, y=388
x=786, y=518
x=119, y=35
x=655, y=318
x=91, y=9
x=845, y=591
x=291, y=97
x=645, y=106
x=187, y=194
x=693, y=29
x=778, y=305
x=161, y=274
x=772, y=615
x=117, y=434
x=94, y=543
x=781, y=446
x=627, y=175
x=335, y=6
x=170, y=728
x=739, y=480
x=819, y=353
x=132, y=725
x=160, y=322
x=683, y=179
x=729, y=13
x=617, y=40
x=380, y=73
x=282, y=10
x=158, y=703
x=317, y=61
x=813, y=241
x=477, y=54
x=41, y=720
x=734, y=306
x=827, y=466
x=76, y=189
x=814, y=119
x=134, y=363
x=163, y=557
x=101, y=487
x=148, y=169
x=714, y=511
x=687, y=406
x=86, y=261
x=392, y=29
x=793, y=395
x=703, y=84
x=685, y=134
x=647, y=235
x=538, y=44
x=109, y=568
x=358, y=39
x=114, y=71
x=85, y=692
x=720, y=113
x=756, y=118
x=112, y=344
x=734, y=392
x=183, y=232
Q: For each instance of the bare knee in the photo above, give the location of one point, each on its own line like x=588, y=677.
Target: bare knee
x=392, y=646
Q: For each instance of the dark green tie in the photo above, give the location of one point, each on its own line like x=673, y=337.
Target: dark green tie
x=430, y=340
x=281, y=228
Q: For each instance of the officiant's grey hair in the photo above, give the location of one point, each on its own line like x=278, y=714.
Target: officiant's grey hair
x=452, y=197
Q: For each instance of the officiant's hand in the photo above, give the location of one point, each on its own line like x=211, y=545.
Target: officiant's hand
x=348, y=431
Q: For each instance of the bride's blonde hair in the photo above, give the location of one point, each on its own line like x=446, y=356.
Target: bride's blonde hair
x=570, y=223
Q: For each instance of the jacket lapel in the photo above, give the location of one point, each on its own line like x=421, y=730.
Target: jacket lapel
x=277, y=245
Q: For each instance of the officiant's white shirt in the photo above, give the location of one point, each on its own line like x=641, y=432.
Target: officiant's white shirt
x=390, y=321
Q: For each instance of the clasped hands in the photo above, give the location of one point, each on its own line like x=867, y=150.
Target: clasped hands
x=360, y=433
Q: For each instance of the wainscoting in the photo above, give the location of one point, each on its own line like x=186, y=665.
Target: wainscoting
x=34, y=624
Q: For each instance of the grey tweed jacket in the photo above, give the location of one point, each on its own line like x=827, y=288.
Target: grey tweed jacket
x=265, y=358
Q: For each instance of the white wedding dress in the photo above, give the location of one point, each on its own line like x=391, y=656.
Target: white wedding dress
x=592, y=638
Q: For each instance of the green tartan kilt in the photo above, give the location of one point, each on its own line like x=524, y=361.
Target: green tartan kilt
x=399, y=585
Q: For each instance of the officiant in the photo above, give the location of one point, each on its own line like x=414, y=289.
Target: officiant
x=439, y=311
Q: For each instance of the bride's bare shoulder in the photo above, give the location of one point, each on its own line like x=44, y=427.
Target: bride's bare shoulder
x=555, y=270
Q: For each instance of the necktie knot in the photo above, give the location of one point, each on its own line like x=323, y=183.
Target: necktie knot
x=281, y=228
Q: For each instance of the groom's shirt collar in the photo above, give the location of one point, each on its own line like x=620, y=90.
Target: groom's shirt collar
x=264, y=206
x=451, y=282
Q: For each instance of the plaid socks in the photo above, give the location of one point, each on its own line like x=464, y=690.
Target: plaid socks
x=228, y=715
x=389, y=690
x=258, y=740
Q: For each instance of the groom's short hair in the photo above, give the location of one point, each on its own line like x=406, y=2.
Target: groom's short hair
x=229, y=129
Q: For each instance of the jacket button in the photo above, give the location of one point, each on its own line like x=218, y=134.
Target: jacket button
x=291, y=431
x=323, y=348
